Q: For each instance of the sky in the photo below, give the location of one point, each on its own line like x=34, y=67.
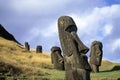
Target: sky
x=35, y=21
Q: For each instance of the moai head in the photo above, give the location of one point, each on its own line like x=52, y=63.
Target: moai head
x=96, y=53
x=67, y=31
x=56, y=49
x=66, y=23
x=97, y=44
x=57, y=58
x=39, y=49
x=27, y=46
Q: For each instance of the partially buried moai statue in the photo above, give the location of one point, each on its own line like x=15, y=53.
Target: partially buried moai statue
x=27, y=46
x=76, y=62
x=96, y=54
x=56, y=58
x=39, y=49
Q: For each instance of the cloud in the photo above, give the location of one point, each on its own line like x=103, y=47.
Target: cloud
x=35, y=21
x=51, y=30
x=113, y=49
x=101, y=24
x=45, y=7
x=107, y=29
x=98, y=21
x=115, y=44
x=36, y=7
x=96, y=25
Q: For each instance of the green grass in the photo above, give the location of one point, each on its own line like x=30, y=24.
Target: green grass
x=55, y=74
x=38, y=66
x=59, y=75
x=107, y=74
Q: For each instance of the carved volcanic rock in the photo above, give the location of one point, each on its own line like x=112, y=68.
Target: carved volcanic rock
x=5, y=34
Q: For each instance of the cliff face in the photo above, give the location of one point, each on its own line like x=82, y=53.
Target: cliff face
x=5, y=34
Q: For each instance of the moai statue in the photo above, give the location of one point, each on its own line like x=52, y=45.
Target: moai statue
x=27, y=46
x=76, y=62
x=39, y=49
x=96, y=54
x=57, y=58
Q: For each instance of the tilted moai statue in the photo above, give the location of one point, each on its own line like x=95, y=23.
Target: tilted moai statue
x=39, y=49
x=96, y=54
x=27, y=46
x=57, y=58
x=76, y=62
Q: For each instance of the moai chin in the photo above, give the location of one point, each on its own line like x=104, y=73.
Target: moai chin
x=96, y=54
x=76, y=62
x=39, y=49
x=56, y=58
x=27, y=46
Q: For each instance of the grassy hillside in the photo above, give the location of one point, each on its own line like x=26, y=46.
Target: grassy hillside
x=14, y=56
x=16, y=62
x=108, y=71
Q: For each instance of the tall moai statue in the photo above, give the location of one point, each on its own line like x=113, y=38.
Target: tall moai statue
x=96, y=54
x=75, y=59
x=39, y=49
x=27, y=46
x=56, y=58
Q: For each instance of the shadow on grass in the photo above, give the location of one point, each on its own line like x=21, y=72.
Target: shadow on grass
x=115, y=68
x=110, y=79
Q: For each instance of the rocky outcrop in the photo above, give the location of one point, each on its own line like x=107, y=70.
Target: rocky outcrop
x=5, y=34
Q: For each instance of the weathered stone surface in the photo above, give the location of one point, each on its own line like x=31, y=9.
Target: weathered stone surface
x=96, y=54
x=39, y=49
x=5, y=34
x=27, y=46
x=57, y=58
x=76, y=62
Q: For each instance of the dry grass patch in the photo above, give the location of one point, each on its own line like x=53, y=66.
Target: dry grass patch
x=28, y=62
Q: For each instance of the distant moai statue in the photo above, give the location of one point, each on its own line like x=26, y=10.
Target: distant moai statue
x=56, y=58
x=39, y=49
x=76, y=62
x=96, y=54
x=27, y=46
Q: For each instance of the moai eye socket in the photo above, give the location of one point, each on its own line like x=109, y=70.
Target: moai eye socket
x=71, y=28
